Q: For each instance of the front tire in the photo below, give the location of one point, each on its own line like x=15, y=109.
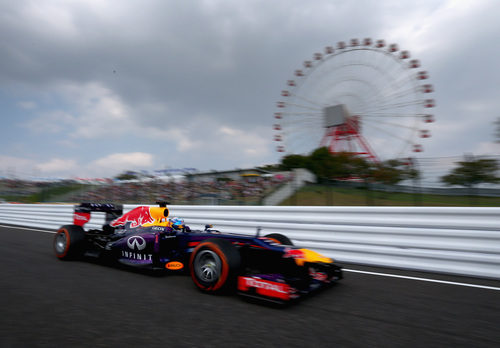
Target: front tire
x=279, y=238
x=69, y=242
x=214, y=265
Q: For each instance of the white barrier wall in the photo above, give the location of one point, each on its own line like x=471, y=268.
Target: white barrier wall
x=462, y=241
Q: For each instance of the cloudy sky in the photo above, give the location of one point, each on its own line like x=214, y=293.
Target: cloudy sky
x=90, y=88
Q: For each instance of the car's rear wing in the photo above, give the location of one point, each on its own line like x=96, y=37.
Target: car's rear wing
x=83, y=211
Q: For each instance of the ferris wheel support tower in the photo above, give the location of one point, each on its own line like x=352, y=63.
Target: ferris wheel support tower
x=343, y=130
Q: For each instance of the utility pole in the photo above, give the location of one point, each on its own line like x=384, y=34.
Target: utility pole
x=497, y=130
x=417, y=191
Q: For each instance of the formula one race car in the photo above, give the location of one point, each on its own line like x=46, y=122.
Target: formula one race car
x=267, y=267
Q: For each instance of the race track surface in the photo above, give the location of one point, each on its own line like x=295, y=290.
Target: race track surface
x=50, y=303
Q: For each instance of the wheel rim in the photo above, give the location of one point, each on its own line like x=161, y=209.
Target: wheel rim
x=61, y=242
x=207, y=265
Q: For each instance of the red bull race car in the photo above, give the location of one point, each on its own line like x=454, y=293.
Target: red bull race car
x=264, y=267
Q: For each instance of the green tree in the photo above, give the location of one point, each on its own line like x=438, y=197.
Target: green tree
x=327, y=165
x=323, y=164
x=344, y=165
x=470, y=173
x=128, y=175
x=294, y=161
x=386, y=173
x=393, y=171
x=361, y=167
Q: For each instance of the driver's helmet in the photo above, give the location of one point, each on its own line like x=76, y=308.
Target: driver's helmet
x=177, y=223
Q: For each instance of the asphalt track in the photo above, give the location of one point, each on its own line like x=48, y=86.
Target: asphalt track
x=50, y=303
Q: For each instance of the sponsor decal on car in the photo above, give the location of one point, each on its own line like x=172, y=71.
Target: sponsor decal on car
x=305, y=255
x=136, y=243
x=80, y=219
x=320, y=276
x=264, y=287
x=137, y=217
x=137, y=256
x=174, y=265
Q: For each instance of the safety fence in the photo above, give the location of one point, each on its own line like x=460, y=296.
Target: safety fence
x=464, y=241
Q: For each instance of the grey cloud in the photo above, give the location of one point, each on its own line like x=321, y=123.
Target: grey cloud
x=176, y=62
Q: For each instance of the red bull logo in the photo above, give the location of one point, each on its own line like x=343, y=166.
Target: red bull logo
x=305, y=255
x=294, y=253
x=137, y=217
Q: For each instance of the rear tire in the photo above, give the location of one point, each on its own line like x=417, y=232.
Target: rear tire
x=279, y=238
x=214, y=265
x=69, y=242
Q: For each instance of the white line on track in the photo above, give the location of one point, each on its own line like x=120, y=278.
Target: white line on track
x=344, y=269
x=422, y=279
x=27, y=229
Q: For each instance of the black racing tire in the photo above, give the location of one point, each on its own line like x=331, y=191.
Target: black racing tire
x=69, y=242
x=279, y=238
x=214, y=265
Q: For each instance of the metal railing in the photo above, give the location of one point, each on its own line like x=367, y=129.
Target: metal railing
x=456, y=240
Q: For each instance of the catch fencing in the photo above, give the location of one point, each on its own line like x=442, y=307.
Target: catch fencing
x=464, y=241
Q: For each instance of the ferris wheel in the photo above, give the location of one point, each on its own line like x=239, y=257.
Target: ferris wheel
x=362, y=97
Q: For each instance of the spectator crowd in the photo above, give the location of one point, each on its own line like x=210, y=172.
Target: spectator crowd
x=182, y=192
x=218, y=191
